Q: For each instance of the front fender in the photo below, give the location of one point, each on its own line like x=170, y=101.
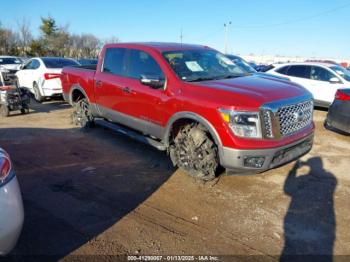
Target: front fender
x=193, y=116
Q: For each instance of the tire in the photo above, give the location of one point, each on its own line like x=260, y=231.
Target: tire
x=25, y=110
x=4, y=111
x=82, y=115
x=37, y=95
x=195, y=152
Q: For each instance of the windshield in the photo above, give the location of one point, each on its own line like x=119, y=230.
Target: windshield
x=59, y=62
x=9, y=61
x=202, y=64
x=344, y=73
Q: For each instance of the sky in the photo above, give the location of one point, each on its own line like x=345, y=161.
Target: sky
x=307, y=28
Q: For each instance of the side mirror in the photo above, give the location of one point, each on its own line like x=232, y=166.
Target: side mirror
x=334, y=80
x=153, y=82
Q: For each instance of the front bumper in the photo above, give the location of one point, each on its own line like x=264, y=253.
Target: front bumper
x=11, y=215
x=234, y=159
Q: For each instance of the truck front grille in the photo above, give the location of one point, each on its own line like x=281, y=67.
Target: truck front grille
x=286, y=120
x=295, y=117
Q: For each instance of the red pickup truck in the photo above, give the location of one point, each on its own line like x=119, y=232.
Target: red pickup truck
x=194, y=103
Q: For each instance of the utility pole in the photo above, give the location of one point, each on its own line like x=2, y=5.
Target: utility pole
x=226, y=25
x=181, y=36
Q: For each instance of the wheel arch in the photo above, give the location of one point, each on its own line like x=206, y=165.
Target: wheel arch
x=75, y=90
x=188, y=117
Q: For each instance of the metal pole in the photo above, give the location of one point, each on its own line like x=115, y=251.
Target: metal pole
x=226, y=35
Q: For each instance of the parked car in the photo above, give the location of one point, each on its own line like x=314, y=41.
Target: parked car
x=41, y=76
x=10, y=62
x=11, y=205
x=88, y=61
x=338, y=117
x=321, y=79
x=242, y=63
x=239, y=61
x=194, y=103
x=263, y=68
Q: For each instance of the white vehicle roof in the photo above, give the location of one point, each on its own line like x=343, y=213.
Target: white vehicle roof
x=306, y=63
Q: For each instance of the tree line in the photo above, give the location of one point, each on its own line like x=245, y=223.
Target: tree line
x=53, y=40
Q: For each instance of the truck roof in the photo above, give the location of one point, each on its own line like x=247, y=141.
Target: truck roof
x=159, y=46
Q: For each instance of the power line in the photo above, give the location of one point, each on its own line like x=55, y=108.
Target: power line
x=295, y=20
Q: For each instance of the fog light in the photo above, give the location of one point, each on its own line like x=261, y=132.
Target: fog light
x=254, y=161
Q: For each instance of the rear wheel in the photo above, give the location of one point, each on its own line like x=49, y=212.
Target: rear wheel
x=82, y=115
x=37, y=95
x=194, y=151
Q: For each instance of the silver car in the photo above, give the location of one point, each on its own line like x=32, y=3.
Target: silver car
x=11, y=205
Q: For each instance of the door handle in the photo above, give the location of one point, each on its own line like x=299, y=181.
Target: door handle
x=127, y=90
x=98, y=83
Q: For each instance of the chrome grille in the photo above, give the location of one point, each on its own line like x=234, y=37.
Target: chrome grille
x=293, y=118
x=267, y=120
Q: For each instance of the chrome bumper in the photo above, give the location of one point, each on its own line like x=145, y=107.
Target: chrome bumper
x=234, y=160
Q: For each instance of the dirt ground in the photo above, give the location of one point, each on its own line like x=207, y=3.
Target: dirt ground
x=100, y=193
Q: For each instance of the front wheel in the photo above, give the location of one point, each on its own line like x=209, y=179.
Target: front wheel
x=194, y=151
x=82, y=115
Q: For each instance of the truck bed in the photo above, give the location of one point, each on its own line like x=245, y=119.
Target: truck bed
x=82, y=76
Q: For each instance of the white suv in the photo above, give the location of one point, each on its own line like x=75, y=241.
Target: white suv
x=321, y=79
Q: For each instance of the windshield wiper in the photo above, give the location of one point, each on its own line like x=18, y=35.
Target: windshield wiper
x=201, y=79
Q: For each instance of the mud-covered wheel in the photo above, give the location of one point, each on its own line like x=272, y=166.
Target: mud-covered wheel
x=4, y=111
x=82, y=115
x=194, y=151
x=37, y=95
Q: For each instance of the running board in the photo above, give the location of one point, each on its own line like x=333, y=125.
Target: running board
x=132, y=134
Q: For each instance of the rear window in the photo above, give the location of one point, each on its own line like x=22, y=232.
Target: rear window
x=114, y=61
x=59, y=62
x=9, y=61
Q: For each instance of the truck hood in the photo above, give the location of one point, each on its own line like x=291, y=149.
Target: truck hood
x=250, y=91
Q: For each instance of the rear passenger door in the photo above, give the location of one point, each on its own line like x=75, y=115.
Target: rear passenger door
x=109, y=83
x=301, y=74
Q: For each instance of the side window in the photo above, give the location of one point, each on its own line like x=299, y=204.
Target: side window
x=283, y=70
x=321, y=74
x=299, y=71
x=35, y=64
x=141, y=63
x=28, y=65
x=114, y=61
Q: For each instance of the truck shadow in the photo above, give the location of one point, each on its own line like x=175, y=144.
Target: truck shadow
x=310, y=224
x=76, y=185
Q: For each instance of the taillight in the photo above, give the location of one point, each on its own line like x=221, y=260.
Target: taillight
x=341, y=95
x=5, y=168
x=48, y=76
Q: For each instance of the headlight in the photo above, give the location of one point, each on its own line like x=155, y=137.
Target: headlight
x=243, y=124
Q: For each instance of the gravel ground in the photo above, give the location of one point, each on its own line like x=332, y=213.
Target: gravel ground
x=100, y=193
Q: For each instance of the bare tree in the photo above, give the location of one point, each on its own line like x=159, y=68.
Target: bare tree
x=25, y=36
x=112, y=40
x=8, y=41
